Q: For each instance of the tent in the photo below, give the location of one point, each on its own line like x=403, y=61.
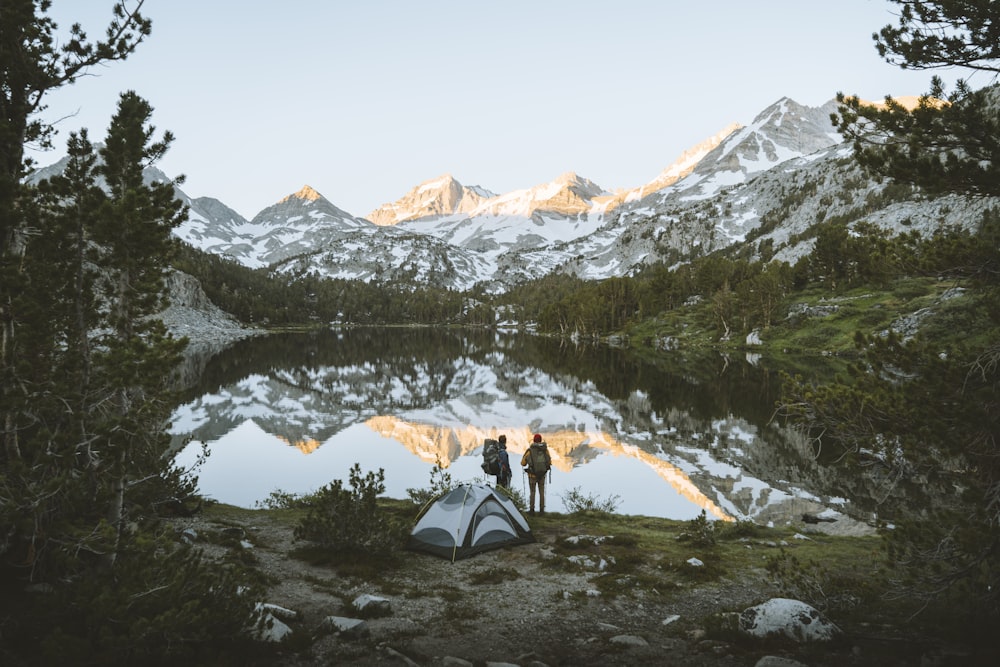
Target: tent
x=468, y=520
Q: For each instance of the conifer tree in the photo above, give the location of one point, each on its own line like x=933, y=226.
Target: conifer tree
x=31, y=65
x=85, y=373
x=923, y=416
x=949, y=142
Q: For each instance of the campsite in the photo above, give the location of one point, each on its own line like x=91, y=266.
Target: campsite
x=593, y=588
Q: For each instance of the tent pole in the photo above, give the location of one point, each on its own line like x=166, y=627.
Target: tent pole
x=454, y=549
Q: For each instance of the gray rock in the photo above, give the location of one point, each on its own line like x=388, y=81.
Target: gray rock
x=278, y=612
x=777, y=661
x=348, y=628
x=268, y=627
x=781, y=617
x=372, y=604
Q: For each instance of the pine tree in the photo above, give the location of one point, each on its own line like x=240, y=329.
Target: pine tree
x=949, y=142
x=923, y=417
x=85, y=385
x=33, y=65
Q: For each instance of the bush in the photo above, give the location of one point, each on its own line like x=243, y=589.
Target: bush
x=162, y=603
x=278, y=500
x=350, y=520
x=574, y=501
x=700, y=531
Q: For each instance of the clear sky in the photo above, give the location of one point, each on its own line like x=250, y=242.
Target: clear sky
x=364, y=99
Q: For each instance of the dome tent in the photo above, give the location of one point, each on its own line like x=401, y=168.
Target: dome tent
x=469, y=519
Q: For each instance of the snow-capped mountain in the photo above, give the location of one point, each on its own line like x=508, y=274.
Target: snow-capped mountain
x=439, y=196
x=774, y=179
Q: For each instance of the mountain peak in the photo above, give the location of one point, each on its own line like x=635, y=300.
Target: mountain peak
x=432, y=198
x=307, y=193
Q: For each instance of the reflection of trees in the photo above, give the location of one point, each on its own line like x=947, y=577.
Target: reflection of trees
x=425, y=360
x=306, y=387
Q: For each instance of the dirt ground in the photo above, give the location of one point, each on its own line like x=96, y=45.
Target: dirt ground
x=443, y=613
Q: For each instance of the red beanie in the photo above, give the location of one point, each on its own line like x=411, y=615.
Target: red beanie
x=538, y=437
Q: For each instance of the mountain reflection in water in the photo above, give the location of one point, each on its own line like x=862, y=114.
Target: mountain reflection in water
x=293, y=412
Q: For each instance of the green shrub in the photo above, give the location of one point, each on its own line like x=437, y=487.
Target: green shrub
x=575, y=501
x=700, y=531
x=741, y=528
x=349, y=519
x=162, y=603
x=279, y=499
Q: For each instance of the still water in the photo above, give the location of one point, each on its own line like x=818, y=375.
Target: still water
x=666, y=438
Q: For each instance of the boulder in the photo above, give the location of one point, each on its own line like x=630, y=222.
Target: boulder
x=372, y=605
x=269, y=628
x=781, y=617
x=348, y=628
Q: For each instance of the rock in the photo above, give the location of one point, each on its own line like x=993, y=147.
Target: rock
x=348, y=628
x=694, y=562
x=372, y=605
x=781, y=617
x=452, y=661
x=670, y=619
x=777, y=661
x=269, y=628
x=193, y=315
x=594, y=540
x=278, y=612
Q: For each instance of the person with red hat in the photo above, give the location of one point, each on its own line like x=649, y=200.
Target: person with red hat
x=537, y=463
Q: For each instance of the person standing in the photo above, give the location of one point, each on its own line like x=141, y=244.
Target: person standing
x=503, y=479
x=537, y=463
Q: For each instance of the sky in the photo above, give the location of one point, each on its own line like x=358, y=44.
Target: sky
x=365, y=100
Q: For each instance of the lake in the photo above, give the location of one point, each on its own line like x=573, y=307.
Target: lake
x=666, y=436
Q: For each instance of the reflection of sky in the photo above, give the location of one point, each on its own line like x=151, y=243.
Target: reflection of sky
x=296, y=428
x=639, y=489
x=247, y=464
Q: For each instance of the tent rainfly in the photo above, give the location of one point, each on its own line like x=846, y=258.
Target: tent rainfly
x=468, y=520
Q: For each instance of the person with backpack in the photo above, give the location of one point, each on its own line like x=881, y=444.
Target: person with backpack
x=537, y=463
x=503, y=478
x=491, y=458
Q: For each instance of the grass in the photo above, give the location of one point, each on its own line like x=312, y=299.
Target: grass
x=864, y=309
x=493, y=575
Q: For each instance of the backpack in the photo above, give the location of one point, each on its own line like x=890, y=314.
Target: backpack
x=538, y=459
x=491, y=457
